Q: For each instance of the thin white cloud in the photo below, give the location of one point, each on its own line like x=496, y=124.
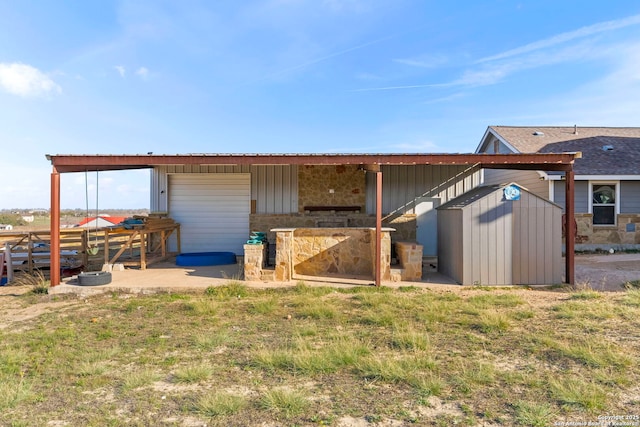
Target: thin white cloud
x=449, y=98
x=26, y=81
x=565, y=37
x=493, y=73
x=424, y=61
x=121, y=70
x=495, y=68
x=490, y=73
x=142, y=72
x=612, y=100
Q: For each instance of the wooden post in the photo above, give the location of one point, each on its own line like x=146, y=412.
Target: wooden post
x=54, y=245
x=143, y=251
x=378, y=227
x=9, y=261
x=570, y=234
x=106, y=246
x=178, y=237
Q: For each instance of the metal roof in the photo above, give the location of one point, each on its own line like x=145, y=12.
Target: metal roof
x=101, y=162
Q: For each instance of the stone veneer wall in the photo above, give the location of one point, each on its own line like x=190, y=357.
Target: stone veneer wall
x=405, y=225
x=330, y=252
x=254, y=259
x=625, y=233
x=315, y=182
x=410, y=258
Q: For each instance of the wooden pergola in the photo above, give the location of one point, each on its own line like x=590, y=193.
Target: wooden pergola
x=560, y=162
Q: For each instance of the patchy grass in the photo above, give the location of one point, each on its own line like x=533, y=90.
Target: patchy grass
x=284, y=402
x=217, y=404
x=532, y=414
x=319, y=356
x=36, y=281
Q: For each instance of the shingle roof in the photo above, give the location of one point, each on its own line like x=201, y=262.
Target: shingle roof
x=622, y=159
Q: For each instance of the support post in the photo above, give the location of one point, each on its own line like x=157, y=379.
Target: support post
x=54, y=255
x=570, y=235
x=378, y=228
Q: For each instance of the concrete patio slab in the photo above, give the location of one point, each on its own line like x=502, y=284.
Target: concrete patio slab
x=167, y=277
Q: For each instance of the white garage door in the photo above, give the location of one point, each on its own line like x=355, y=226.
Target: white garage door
x=212, y=209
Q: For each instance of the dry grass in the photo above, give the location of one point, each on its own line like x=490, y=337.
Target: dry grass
x=322, y=356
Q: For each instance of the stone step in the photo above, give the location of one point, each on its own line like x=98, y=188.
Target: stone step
x=396, y=274
x=268, y=275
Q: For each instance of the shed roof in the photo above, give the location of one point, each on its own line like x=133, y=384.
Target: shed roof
x=605, y=150
x=478, y=193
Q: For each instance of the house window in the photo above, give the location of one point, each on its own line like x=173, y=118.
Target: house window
x=604, y=204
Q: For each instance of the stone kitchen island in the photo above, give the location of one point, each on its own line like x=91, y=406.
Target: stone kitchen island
x=330, y=252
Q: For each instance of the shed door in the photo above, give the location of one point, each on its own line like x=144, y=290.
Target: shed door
x=212, y=209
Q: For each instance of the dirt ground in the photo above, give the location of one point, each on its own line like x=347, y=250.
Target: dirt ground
x=607, y=272
x=598, y=272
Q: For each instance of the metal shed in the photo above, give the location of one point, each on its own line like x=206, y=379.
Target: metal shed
x=500, y=235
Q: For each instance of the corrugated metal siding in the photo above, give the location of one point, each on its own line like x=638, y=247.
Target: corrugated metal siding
x=402, y=185
x=273, y=187
x=527, y=179
x=629, y=197
x=450, y=244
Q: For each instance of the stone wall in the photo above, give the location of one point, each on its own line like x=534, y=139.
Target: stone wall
x=626, y=233
x=254, y=259
x=330, y=252
x=410, y=259
x=334, y=185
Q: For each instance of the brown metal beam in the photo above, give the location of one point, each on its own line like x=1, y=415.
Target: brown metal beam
x=570, y=232
x=378, y=228
x=54, y=244
x=80, y=163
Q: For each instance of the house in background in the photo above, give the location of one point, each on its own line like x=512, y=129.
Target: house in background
x=100, y=221
x=607, y=177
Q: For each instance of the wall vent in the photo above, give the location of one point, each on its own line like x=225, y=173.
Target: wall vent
x=538, y=133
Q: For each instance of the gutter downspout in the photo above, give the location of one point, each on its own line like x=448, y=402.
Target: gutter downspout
x=54, y=254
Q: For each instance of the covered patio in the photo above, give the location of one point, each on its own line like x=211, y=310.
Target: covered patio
x=371, y=164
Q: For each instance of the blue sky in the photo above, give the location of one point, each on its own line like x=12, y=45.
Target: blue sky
x=289, y=76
